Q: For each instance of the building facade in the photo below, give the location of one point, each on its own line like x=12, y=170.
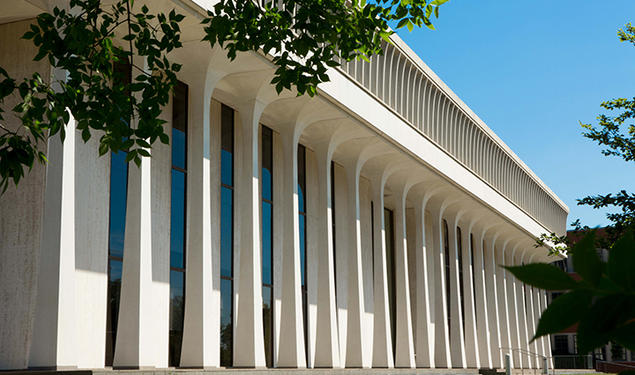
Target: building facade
x=360, y=228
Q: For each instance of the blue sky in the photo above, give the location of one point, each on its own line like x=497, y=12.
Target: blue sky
x=531, y=70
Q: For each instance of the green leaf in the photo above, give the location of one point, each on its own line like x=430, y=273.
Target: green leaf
x=586, y=261
x=563, y=312
x=606, y=314
x=621, y=263
x=625, y=335
x=543, y=276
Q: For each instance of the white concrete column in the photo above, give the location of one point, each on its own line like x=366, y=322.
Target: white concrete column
x=539, y=343
x=546, y=340
x=201, y=326
x=504, y=300
x=327, y=351
x=54, y=330
x=249, y=349
x=382, y=336
x=356, y=334
x=291, y=351
x=482, y=300
x=492, y=299
x=312, y=253
x=404, y=346
x=531, y=327
x=522, y=311
x=457, y=341
x=471, y=336
x=92, y=194
x=142, y=330
x=424, y=335
x=143, y=322
x=515, y=317
x=341, y=257
x=442, y=357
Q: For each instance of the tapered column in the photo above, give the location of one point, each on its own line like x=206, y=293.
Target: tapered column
x=54, y=335
x=493, y=305
x=531, y=326
x=341, y=257
x=355, y=355
x=382, y=336
x=291, y=351
x=327, y=351
x=249, y=349
x=538, y=347
x=482, y=306
x=522, y=312
x=457, y=342
x=470, y=329
x=201, y=323
x=513, y=305
x=442, y=338
x=404, y=347
x=503, y=301
x=142, y=339
x=546, y=340
x=424, y=335
x=539, y=344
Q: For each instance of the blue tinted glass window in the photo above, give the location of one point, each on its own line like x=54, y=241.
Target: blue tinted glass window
x=177, y=220
x=178, y=148
x=118, y=191
x=267, y=185
x=267, y=218
x=300, y=198
x=226, y=234
x=303, y=249
x=227, y=168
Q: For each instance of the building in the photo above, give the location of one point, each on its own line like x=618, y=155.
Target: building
x=360, y=228
x=564, y=344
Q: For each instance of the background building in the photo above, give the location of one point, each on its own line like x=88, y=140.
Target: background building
x=363, y=227
x=564, y=345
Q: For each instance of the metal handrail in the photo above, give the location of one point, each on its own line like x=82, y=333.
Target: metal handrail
x=530, y=353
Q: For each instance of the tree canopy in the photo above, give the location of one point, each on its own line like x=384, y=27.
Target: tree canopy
x=302, y=38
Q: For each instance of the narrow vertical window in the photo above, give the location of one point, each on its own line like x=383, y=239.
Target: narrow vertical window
x=266, y=195
x=446, y=251
x=389, y=227
x=116, y=230
x=459, y=242
x=227, y=236
x=302, y=227
x=177, y=221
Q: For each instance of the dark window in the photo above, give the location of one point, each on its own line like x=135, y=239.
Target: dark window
x=227, y=236
x=177, y=220
x=116, y=229
x=561, y=344
x=389, y=228
x=446, y=251
x=302, y=227
x=267, y=241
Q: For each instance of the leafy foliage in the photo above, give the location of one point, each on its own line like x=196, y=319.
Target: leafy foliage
x=602, y=302
x=82, y=43
x=303, y=37
x=306, y=37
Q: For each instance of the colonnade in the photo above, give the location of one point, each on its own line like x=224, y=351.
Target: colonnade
x=427, y=293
